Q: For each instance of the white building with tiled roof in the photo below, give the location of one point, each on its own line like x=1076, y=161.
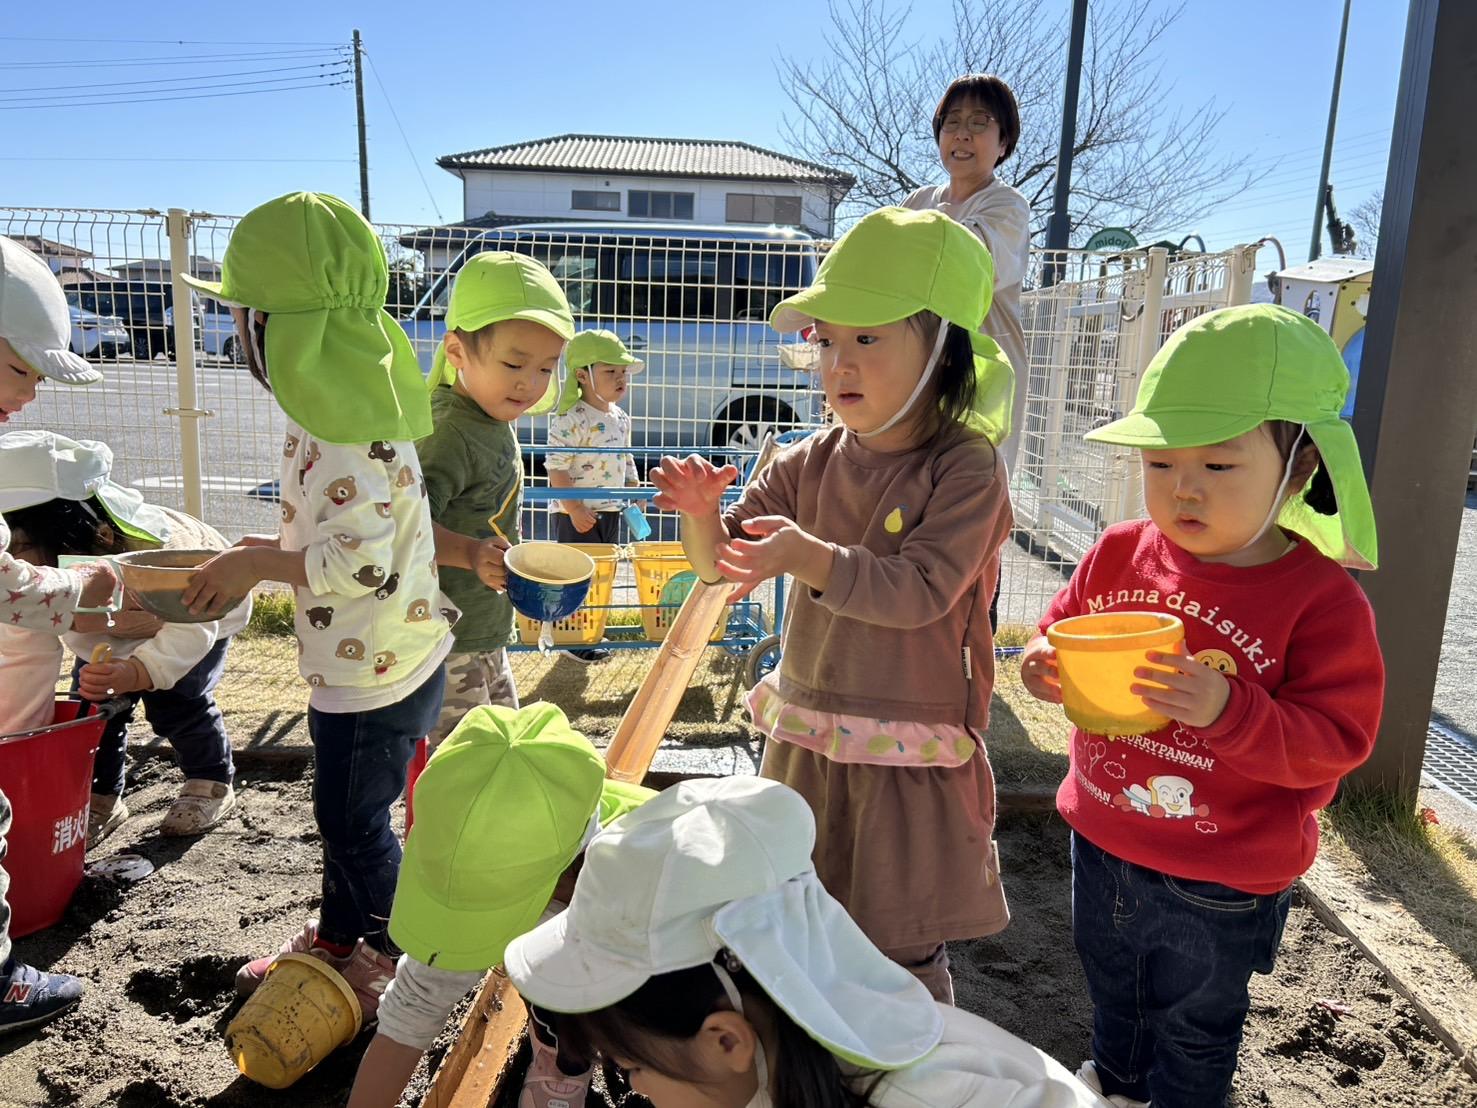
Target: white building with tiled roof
x=612, y=177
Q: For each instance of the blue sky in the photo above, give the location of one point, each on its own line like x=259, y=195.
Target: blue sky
x=462, y=75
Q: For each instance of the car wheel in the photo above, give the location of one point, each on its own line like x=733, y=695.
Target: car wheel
x=742, y=426
x=231, y=351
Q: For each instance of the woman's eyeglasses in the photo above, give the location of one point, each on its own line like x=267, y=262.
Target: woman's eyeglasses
x=975, y=124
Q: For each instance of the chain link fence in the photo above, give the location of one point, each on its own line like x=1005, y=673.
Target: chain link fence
x=191, y=428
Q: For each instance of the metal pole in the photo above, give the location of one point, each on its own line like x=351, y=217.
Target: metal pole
x=363, y=143
x=189, y=413
x=1059, y=227
x=1316, y=248
x=1416, y=405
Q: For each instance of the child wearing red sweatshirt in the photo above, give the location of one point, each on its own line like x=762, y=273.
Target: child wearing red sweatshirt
x=1186, y=841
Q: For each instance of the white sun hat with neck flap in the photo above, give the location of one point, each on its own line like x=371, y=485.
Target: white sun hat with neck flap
x=725, y=866
x=35, y=320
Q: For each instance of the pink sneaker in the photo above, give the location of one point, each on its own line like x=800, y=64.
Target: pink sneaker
x=249, y=976
x=368, y=972
x=546, y=1085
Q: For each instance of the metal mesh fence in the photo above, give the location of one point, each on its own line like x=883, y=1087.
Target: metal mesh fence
x=190, y=427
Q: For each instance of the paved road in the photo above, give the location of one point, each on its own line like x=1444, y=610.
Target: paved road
x=1456, y=680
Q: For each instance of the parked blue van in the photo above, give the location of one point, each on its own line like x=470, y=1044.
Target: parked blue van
x=691, y=301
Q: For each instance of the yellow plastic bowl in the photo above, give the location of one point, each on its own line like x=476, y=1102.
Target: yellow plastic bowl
x=1096, y=656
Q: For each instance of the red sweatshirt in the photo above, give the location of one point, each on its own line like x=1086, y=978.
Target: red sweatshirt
x=1234, y=802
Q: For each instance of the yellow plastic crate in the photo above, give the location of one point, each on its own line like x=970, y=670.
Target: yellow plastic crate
x=664, y=577
x=587, y=625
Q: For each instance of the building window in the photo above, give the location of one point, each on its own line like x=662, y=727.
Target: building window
x=747, y=208
x=590, y=200
x=645, y=204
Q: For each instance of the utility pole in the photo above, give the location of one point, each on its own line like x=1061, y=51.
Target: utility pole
x=1333, y=114
x=1059, y=227
x=363, y=144
x=1416, y=406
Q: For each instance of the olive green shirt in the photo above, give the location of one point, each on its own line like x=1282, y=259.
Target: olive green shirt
x=472, y=470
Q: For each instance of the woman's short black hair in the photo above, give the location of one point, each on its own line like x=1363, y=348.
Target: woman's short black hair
x=992, y=94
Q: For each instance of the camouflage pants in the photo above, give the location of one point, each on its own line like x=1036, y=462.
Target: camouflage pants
x=473, y=679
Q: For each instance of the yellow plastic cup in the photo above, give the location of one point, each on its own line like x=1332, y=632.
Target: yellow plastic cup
x=300, y=1014
x=1096, y=656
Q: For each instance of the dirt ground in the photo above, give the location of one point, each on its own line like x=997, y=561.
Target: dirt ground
x=160, y=955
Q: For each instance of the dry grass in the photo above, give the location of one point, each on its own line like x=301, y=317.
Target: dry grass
x=263, y=695
x=1389, y=851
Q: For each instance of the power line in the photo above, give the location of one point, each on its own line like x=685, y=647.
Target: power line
x=1291, y=194
x=101, y=158
x=52, y=101
x=188, y=59
x=165, y=41
x=396, y=117
x=177, y=80
x=162, y=99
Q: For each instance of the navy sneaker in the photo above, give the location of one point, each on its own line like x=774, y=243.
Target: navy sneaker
x=29, y=997
x=589, y=655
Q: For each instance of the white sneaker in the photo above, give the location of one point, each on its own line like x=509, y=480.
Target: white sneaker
x=199, y=807
x=105, y=814
x=1087, y=1074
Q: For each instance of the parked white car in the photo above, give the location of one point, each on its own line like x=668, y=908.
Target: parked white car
x=97, y=337
x=217, y=331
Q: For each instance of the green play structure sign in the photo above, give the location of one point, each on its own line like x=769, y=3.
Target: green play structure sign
x=1112, y=238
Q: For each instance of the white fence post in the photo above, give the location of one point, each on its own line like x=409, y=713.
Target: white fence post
x=189, y=413
x=1243, y=273
x=1124, y=474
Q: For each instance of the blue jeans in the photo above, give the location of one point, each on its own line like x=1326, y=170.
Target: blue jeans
x=1168, y=962
x=360, y=759
x=186, y=715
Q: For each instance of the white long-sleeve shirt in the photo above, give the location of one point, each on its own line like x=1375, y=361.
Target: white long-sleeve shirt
x=176, y=648
x=1001, y=217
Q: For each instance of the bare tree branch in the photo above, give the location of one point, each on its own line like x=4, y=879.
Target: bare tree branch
x=1141, y=159
x=1366, y=220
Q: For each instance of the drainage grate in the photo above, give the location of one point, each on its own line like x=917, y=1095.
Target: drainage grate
x=1451, y=761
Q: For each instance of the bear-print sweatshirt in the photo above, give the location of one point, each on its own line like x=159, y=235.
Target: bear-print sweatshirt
x=372, y=624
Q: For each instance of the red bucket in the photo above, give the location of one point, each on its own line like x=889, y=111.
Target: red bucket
x=46, y=775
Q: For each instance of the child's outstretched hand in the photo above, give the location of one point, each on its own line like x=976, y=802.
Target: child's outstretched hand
x=691, y=485
x=781, y=547
x=1195, y=694
x=101, y=680
x=1039, y=672
x=488, y=565
x=229, y=576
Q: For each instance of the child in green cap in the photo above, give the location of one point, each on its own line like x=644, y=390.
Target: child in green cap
x=502, y=810
x=506, y=327
x=306, y=277
x=893, y=521
x=588, y=415
x=1256, y=500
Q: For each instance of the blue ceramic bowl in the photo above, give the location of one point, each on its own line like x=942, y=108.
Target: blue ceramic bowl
x=548, y=581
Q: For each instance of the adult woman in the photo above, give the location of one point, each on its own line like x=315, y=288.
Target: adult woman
x=976, y=125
